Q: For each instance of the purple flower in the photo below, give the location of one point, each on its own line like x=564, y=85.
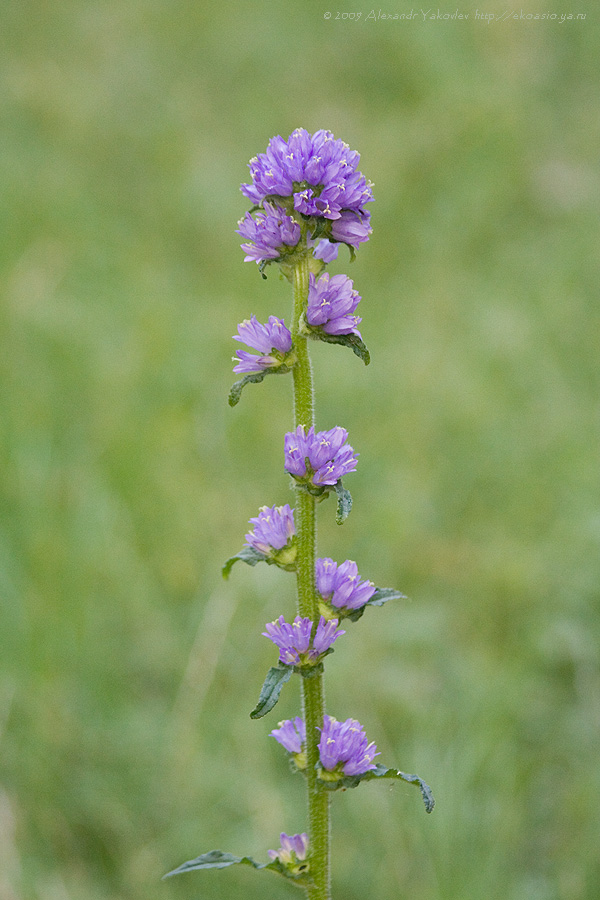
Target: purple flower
x=295, y=648
x=294, y=849
x=291, y=734
x=329, y=457
x=274, y=533
x=270, y=235
x=330, y=304
x=273, y=340
x=352, y=227
x=318, y=171
x=340, y=585
x=324, y=250
x=344, y=749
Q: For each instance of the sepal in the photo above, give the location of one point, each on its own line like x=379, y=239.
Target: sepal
x=381, y=596
x=254, y=378
x=352, y=781
x=217, y=859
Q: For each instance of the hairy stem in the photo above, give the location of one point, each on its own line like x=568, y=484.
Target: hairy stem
x=313, y=698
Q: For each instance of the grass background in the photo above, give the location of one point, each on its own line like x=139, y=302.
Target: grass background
x=128, y=667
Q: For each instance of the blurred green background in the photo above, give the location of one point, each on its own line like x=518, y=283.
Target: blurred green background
x=128, y=666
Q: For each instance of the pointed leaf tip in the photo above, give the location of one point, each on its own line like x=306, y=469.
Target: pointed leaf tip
x=426, y=792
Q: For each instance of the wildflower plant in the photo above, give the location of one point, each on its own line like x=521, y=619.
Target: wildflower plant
x=309, y=198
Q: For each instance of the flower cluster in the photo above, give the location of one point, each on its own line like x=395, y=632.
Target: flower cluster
x=319, y=172
x=340, y=587
x=310, y=178
x=330, y=304
x=329, y=456
x=272, y=340
x=291, y=734
x=344, y=749
x=293, y=852
x=294, y=641
x=271, y=235
x=274, y=534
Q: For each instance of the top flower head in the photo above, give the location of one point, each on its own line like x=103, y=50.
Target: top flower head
x=318, y=171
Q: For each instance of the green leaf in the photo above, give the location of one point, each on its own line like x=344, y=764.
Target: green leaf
x=248, y=555
x=426, y=792
x=216, y=859
x=253, y=378
x=381, y=596
x=352, y=781
x=344, y=503
x=271, y=689
x=353, y=341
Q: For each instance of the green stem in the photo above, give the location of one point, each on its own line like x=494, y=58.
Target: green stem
x=313, y=696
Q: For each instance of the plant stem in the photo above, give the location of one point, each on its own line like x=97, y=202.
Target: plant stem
x=313, y=697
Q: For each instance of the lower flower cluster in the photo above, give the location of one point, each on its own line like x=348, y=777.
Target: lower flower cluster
x=297, y=646
x=318, y=459
x=344, y=749
x=293, y=853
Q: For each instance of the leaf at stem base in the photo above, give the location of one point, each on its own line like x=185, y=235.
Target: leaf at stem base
x=217, y=859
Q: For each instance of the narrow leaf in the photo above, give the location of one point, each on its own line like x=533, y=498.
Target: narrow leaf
x=248, y=555
x=271, y=689
x=344, y=503
x=384, y=772
x=352, y=781
x=216, y=859
x=253, y=378
x=356, y=344
x=381, y=596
